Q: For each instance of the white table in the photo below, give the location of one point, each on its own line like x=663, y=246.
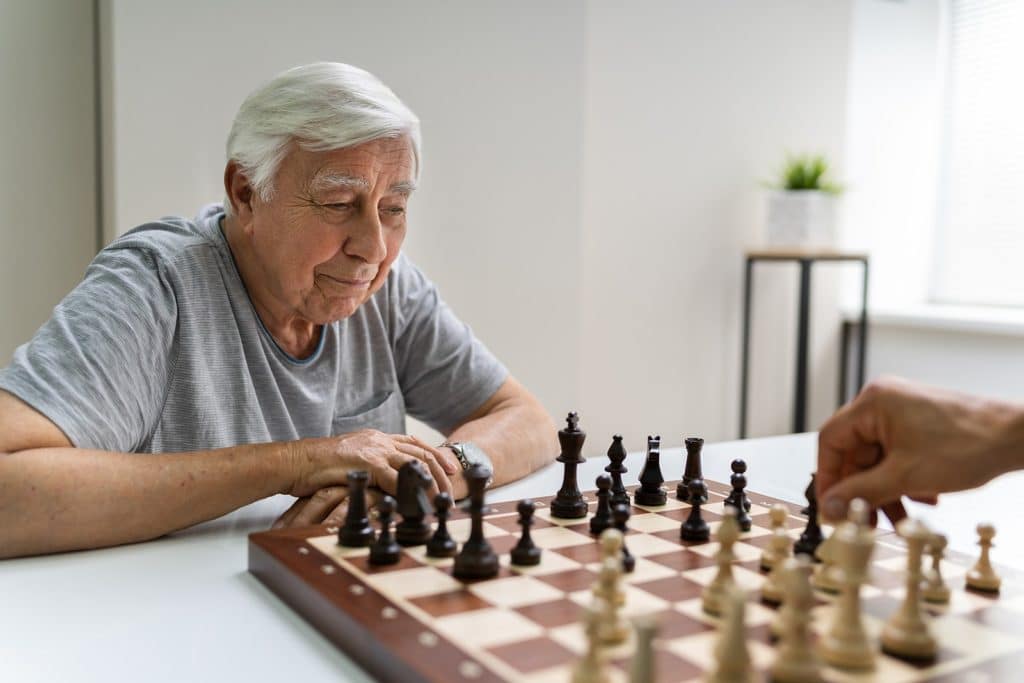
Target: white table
x=184, y=608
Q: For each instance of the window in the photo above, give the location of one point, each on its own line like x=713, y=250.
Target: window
x=980, y=247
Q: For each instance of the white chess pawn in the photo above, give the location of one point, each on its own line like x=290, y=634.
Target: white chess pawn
x=983, y=576
x=609, y=597
x=591, y=668
x=846, y=643
x=714, y=594
x=772, y=588
x=795, y=660
x=731, y=655
x=777, y=550
x=935, y=588
x=826, y=576
x=784, y=614
x=641, y=668
x=907, y=633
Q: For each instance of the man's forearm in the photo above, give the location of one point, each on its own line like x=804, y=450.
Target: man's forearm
x=517, y=434
x=57, y=499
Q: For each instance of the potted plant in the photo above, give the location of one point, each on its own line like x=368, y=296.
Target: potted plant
x=802, y=206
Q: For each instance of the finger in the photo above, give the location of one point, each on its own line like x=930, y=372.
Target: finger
x=926, y=499
x=876, y=486
x=319, y=505
x=445, y=456
x=337, y=515
x=437, y=473
x=851, y=436
x=384, y=474
x=286, y=517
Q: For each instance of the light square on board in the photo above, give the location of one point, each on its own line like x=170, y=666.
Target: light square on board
x=637, y=601
x=328, y=545
x=743, y=552
x=550, y=563
x=515, y=591
x=643, y=545
x=745, y=579
x=460, y=528
x=644, y=570
x=545, y=514
x=652, y=523
x=412, y=583
x=487, y=627
x=757, y=614
x=559, y=537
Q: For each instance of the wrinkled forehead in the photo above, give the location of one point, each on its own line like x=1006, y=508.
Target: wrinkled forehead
x=330, y=180
x=384, y=164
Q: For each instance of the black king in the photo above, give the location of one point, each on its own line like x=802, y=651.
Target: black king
x=569, y=503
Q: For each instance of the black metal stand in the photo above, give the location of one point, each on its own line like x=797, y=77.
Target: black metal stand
x=805, y=261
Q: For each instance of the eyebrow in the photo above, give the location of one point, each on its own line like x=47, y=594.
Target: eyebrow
x=331, y=181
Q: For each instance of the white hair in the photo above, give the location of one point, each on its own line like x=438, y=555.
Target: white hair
x=322, y=106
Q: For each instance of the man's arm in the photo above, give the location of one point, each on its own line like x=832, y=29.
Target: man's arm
x=54, y=497
x=513, y=428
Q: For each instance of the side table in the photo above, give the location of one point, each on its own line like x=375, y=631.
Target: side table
x=805, y=259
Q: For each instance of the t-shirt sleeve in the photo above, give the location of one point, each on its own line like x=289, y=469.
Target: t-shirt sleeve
x=99, y=367
x=445, y=372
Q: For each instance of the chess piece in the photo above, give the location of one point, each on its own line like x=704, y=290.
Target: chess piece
x=620, y=514
x=526, y=553
x=608, y=593
x=715, y=593
x=738, y=496
x=641, y=668
x=732, y=660
x=846, y=643
x=935, y=589
x=778, y=547
x=569, y=503
x=602, y=518
x=591, y=668
x=441, y=544
x=385, y=550
x=826, y=573
x=695, y=529
x=811, y=537
x=617, y=454
x=651, y=492
x=693, y=467
x=982, y=576
x=801, y=565
x=773, y=588
x=476, y=560
x=795, y=659
x=906, y=633
x=355, y=531
x=413, y=503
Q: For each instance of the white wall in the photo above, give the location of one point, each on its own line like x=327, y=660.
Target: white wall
x=689, y=107
x=47, y=170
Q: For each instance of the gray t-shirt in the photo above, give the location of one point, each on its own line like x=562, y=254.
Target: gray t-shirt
x=159, y=349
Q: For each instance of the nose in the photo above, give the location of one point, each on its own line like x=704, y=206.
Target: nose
x=365, y=240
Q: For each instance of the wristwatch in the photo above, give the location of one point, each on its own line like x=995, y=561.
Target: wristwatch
x=469, y=454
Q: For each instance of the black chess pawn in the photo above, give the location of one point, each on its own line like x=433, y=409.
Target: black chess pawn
x=355, y=531
x=617, y=454
x=413, y=503
x=620, y=513
x=525, y=554
x=385, y=550
x=693, y=469
x=602, y=518
x=811, y=537
x=738, y=495
x=695, y=529
x=441, y=544
x=477, y=559
x=569, y=502
x=651, y=492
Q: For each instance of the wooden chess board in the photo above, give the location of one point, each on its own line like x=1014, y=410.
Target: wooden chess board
x=413, y=622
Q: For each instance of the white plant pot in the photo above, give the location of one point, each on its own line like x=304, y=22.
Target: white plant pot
x=801, y=219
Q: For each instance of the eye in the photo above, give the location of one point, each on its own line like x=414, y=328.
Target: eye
x=394, y=210
x=339, y=206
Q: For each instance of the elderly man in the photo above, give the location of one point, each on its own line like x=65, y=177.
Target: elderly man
x=269, y=346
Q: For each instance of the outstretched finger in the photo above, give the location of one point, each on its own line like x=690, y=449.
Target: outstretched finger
x=320, y=505
x=445, y=456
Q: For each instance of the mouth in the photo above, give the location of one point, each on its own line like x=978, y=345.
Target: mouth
x=357, y=283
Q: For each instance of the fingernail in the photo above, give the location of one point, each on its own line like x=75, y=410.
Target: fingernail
x=834, y=508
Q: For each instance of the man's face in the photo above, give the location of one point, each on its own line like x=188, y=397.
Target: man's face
x=326, y=240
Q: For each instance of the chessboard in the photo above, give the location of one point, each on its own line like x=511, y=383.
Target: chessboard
x=412, y=621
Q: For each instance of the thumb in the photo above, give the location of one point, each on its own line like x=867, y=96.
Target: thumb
x=875, y=485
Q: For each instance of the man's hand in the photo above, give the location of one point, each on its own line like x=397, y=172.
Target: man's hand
x=320, y=468
x=897, y=438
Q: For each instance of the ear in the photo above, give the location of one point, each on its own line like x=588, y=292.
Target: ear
x=239, y=192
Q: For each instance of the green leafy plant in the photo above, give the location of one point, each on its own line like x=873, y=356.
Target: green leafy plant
x=808, y=172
